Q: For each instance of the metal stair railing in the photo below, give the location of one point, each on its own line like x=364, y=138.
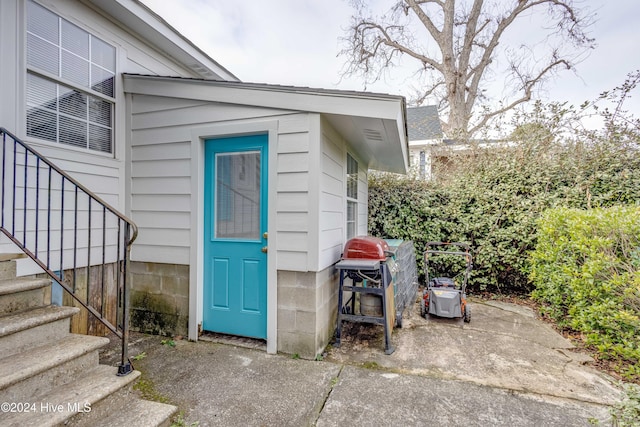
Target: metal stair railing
x=69, y=232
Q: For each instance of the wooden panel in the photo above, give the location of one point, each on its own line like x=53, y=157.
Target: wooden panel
x=293, y=123
x=292, y=221
x=166, y=219
x=332, y=167
x=161, y=136
x=292, y=241
x=292, y=261
x=205, y=113
x=220, y=292
x=163, y=237
x=331, y=203
x=146, y=103
x=293, y=181
x=160, y=254
x=252, y=282
x=293, y=143
x=292, y=202
x=332, y=185
x=161, y=203
x=331, y=237
x=167, y=151
x=293, y=162
x=331, y=220
x=161, y=185
x=158, y=168
x=330, y=255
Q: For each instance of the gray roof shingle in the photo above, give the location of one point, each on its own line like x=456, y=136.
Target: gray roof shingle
x=423, y=123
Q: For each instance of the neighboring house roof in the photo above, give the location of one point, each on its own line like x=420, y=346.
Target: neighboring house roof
x=373, y=124
x=142, y=21
x=423, y=123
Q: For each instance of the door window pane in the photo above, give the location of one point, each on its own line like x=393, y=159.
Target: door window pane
x=237, y=201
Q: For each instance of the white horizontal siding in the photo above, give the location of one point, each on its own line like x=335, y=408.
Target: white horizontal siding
x=293, y=182
x=160, y=253
x=363, y=201
x=161, y=172
x=332, y=192
x=333, y=214
x=100, y=173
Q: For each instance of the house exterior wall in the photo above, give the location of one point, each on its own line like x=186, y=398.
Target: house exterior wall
x=309, y=215
x=99, y=172
x=161, y=190
x=333, y=202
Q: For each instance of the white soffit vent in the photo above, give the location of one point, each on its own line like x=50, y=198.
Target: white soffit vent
x=372, y=135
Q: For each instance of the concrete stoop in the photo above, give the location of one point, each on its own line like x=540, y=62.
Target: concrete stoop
x=50, y=377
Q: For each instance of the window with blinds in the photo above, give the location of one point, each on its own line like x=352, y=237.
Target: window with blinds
x=70, y=82
x=352, y=196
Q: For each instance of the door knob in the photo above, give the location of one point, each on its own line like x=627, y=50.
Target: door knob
x=265, y=235
x=265, y=249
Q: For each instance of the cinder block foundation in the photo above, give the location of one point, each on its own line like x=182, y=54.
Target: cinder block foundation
x=159, y=298
x=307, y=305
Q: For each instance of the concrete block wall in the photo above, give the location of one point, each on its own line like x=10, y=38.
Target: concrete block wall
x=159, y=298
x=327, y=305
x=307, y=307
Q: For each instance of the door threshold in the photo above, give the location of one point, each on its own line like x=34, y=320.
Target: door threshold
x=238, y=341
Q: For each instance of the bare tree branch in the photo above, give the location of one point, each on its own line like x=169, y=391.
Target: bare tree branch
x=459, y=50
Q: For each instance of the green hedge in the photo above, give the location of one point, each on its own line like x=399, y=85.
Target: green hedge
x=493, y=198
x=586, y=269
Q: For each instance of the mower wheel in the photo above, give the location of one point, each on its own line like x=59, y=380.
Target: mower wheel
x=467, y=314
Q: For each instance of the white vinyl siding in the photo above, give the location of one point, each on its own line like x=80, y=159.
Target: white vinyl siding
x=101, y=173
x=161, y=193
x=333, y=196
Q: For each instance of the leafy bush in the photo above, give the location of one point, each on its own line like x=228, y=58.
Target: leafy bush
x=586, y=269
x=491, y=195
x=494, y=198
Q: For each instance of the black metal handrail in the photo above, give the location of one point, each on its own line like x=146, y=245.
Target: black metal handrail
x=66, y=229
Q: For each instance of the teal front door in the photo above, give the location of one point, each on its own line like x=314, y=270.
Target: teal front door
x=235, y=243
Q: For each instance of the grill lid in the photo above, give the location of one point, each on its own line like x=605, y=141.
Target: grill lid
x=366, y=247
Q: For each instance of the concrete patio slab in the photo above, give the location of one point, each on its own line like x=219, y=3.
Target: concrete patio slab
x=504, y=368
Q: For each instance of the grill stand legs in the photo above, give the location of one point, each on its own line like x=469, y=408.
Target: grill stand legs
x=346, y=309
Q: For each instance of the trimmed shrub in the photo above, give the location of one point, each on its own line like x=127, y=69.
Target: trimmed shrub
x=586, y=269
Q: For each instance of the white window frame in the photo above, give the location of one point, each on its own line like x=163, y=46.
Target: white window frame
x=62, y=83
x=351, y=223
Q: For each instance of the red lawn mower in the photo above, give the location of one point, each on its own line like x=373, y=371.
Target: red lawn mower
x=446, y=296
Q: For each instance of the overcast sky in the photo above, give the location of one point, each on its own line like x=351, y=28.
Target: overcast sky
x=296, y=42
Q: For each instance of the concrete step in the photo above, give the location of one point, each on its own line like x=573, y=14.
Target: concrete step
x=38, y=370
x=23, y=330
x=72, y=400
x=8, y=265
x=123, y=409
x=20, y=294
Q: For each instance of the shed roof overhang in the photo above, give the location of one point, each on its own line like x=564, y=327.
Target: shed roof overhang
x=373, y=124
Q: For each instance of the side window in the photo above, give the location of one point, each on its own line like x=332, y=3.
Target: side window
x=70, y=82
x=352, y=196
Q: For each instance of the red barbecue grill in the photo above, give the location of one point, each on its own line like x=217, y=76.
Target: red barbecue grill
x=368, y=263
